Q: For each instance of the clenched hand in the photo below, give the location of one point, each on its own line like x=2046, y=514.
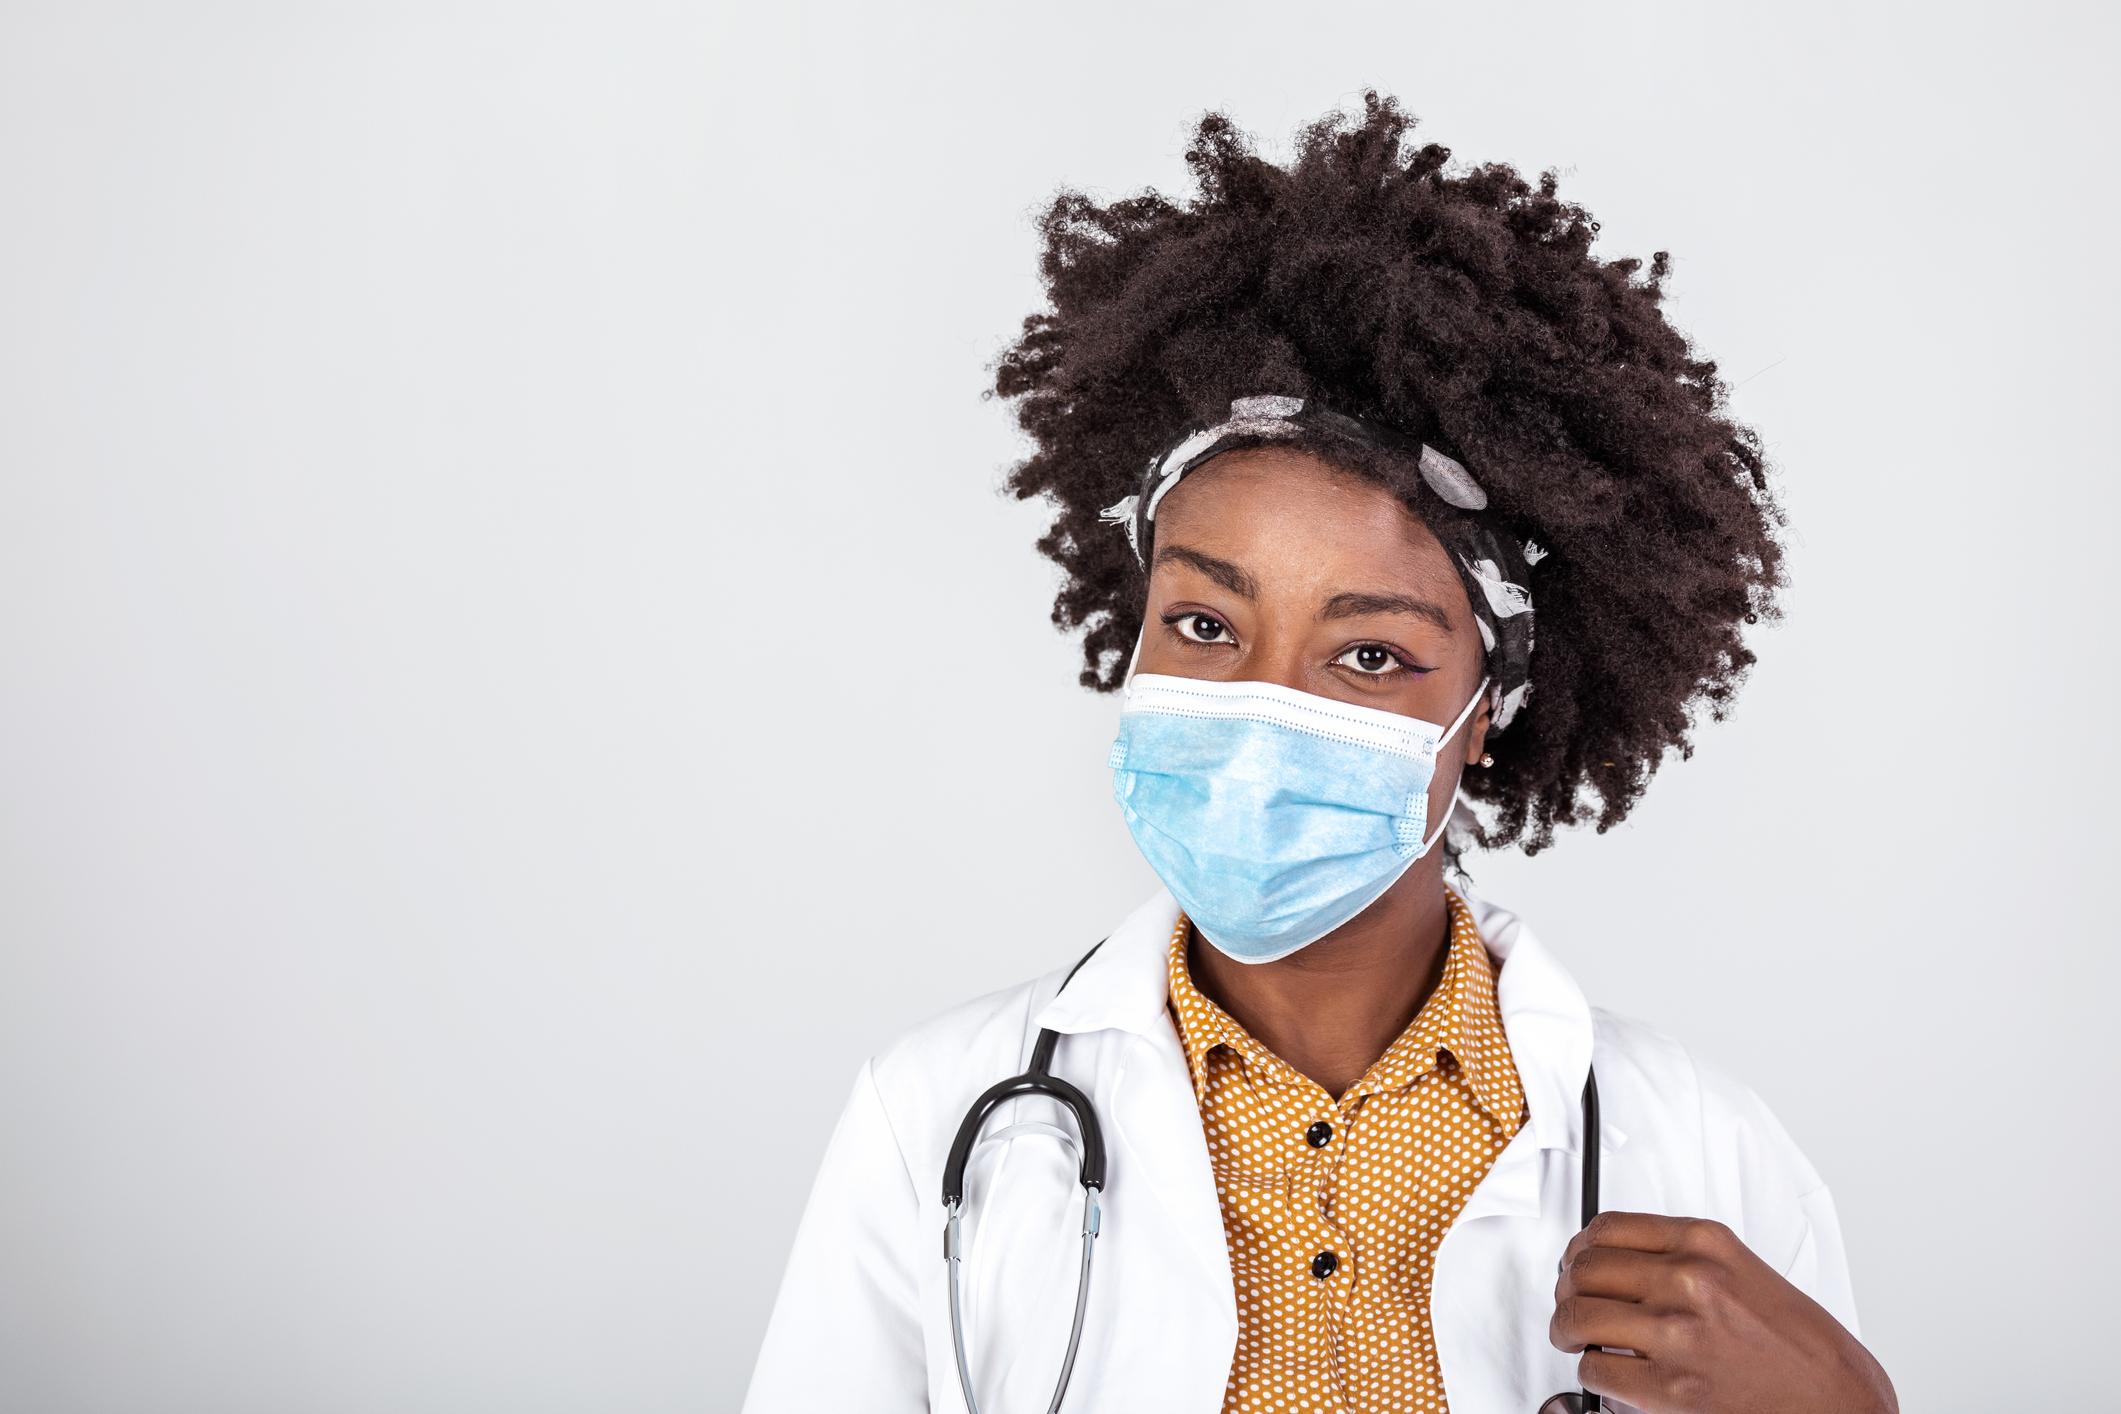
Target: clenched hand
x=1715, y=1330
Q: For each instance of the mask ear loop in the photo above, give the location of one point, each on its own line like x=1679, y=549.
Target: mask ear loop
x=1463, y=717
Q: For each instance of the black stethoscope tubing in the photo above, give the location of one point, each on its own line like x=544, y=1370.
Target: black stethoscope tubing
x=1570, y=1401
x=1040, y=1080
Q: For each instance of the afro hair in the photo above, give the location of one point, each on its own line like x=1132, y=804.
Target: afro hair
x=1464, y=307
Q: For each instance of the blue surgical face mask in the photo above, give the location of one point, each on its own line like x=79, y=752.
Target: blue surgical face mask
x=1273, y=816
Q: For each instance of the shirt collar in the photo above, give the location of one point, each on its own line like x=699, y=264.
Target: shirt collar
x=1202, y=1026
x=1442, y=1032
x=1447, y=1025
x=1125, y=986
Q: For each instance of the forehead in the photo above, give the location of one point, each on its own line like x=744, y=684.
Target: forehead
x=1291, y=516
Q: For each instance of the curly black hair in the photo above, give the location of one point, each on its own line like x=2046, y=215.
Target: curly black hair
x=1462, y=306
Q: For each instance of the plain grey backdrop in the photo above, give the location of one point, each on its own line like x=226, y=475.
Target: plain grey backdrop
x=515, y=675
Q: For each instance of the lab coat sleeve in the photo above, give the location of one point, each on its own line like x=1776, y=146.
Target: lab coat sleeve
x=1829, y=1283
x=846, y=1330
x=1820, y=1268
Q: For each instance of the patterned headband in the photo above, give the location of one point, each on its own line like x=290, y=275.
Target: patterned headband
x=1495, y=568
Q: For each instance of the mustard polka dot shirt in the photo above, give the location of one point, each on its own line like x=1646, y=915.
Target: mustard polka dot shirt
x=1334, y=1208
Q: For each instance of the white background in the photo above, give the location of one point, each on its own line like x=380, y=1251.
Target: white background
x=515, y=676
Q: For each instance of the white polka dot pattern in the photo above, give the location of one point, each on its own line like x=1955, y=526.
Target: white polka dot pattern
x=1334, y=1209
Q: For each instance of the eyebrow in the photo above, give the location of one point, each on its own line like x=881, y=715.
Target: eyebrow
x=1349, y=606
x=1229, y=576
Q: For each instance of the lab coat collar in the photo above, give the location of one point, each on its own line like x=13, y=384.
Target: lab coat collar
x=1126, y=984
x=1153, y=1121
x=1547, y=1020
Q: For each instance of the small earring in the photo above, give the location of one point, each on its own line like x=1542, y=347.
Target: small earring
x=1486, y=760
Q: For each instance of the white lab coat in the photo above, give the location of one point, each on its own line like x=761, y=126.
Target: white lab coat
x=863, y=1319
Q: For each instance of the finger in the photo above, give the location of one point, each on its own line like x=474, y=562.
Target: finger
x=1631, y=1379
x=1640, y=1232
x=1617, y=1272
x=1594, y=1320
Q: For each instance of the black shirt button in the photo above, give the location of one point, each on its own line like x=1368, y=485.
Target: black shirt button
x=1319, y=1134
x=1324, y=1265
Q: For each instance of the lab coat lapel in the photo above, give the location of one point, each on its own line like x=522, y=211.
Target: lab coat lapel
x=1548, y=1022
x=1143, y=1087
x=1157, y=1124
x=1493, y=1291
x=1549, y=1026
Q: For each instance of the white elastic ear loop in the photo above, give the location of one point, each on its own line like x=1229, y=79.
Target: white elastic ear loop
x=1463, y=717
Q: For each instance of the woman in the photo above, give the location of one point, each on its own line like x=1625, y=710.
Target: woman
x=1437, y=508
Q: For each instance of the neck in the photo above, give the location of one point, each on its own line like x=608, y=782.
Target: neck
x=1331, y=1009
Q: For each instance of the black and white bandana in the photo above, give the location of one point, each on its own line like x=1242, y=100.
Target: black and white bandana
x=1495, y=568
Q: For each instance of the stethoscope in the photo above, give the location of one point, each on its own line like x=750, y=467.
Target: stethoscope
x=1040, y=1080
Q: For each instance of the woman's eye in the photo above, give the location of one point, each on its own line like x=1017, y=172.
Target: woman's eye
x=1203, y=629
x=1369, y=658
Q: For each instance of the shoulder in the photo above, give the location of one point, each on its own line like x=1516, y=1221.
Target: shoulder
x=1687, y=1138
x=1659, y=1081
x=1703, y=1127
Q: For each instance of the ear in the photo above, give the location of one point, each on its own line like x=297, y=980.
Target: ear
x=1477, y=729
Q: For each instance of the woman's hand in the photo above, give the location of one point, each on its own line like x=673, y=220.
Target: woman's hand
x=1714, y=1329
